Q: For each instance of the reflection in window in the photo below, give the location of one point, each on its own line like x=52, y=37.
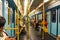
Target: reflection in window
x=53, y=15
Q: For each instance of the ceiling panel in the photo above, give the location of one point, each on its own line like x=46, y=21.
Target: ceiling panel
x=35, y=4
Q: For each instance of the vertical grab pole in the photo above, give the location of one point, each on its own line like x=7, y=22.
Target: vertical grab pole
x=17, y=31
x=43, y=21
x=28, y=26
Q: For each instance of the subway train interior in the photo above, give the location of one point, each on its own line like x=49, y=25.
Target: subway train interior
x=29, y=19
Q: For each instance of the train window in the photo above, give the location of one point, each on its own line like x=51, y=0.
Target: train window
x=53, y=15
x=59, y=16
x=37, y=17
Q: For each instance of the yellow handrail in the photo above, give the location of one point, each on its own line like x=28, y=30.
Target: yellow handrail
x=11, y=28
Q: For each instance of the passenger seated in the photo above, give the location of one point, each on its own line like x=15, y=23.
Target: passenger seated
x=3, y=35
x=37, y=26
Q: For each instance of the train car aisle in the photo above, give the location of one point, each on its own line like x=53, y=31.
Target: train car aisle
x=34, y=35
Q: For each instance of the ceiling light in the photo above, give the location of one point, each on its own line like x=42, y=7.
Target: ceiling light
x=25, y=7
x=46, y=1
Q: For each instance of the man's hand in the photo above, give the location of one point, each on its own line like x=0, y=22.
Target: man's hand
x=10, y=38
x=7, y=38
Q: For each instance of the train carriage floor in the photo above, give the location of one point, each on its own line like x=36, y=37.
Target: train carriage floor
x=36, y=35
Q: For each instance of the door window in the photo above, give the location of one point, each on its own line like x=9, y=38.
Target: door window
x=53, y=15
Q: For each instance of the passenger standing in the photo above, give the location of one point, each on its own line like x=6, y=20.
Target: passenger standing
x=45, y=28
x=34, y=23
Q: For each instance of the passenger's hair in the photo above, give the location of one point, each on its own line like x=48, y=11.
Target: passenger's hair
x=2, y=21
